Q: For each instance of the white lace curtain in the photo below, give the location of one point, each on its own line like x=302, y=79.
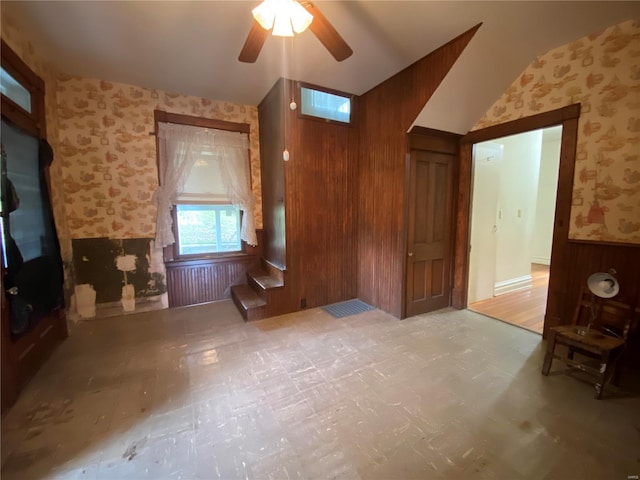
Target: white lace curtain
x=180, y=147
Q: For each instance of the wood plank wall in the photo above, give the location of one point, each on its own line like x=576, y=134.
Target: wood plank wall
x=190, y=282
x=271, y=120
x=321, y=211
x=385, y=114
x=200, y=281
x=319, y=187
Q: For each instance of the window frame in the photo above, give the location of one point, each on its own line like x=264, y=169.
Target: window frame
x=196, y=256
x=31, y=122
x=172, y=252
x=310, y=86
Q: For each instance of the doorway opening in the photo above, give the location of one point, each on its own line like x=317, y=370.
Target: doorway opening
x=513, y=203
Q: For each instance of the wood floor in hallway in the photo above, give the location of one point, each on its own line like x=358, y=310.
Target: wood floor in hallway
x=524, y=308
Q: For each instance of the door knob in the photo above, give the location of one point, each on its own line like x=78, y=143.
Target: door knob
x=410, y=254
x=13, y=291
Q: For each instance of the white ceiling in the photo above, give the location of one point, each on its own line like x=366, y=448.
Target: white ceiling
x=192, y=47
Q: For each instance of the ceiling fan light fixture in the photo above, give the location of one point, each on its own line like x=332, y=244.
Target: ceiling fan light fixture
x=297, y=16
x=300, y=18
x=284, y=16
x=265, y=14
x=282, y=27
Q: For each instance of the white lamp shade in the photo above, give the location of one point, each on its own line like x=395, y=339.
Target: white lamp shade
x=282, y=26
x=282, y=15
x=300, y=18
x=603, y=285
x=265, y=14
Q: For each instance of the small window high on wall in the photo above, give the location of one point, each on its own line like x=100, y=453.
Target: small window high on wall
x=14, y=91
x=205, y=202
x=329, y=105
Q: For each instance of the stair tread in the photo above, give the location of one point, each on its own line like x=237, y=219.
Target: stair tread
x=265, y=280
x=247, y=297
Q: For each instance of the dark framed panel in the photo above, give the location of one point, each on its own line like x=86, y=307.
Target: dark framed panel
x=32, y=122
x=33, y=317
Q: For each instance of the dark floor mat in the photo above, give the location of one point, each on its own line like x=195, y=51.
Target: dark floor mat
x=345, y=309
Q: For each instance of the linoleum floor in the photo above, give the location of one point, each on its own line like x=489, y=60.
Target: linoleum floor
x=196, y=393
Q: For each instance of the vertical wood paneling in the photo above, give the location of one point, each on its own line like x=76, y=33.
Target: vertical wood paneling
x=321, y=227
x=201, y=281
x=462, y=228
x=272, y=138
x=385, y=114
x=343, y=190
x=581, y=259
x=318, y=185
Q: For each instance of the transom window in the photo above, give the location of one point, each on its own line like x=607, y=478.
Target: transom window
x=323, y=104
x=13, y=90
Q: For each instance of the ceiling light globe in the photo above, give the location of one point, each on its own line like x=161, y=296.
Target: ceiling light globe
x=300, y=18
x=265, y=14
x=282, y=26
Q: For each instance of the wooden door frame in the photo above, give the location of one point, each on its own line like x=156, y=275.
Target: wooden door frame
x=438, y=141
x=567, y=117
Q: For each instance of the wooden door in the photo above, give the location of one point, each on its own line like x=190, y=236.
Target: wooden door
x=428, y=284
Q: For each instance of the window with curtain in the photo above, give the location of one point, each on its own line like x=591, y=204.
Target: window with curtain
x=205, y=202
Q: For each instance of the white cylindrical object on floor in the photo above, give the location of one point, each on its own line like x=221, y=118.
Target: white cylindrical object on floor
x=128, y=298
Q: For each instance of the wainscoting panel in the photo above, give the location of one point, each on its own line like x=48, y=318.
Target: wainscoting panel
x=200, y=281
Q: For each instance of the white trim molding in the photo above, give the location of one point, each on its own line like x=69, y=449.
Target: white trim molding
x=511, y=285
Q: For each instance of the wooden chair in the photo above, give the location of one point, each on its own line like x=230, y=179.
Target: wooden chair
x=599, y=347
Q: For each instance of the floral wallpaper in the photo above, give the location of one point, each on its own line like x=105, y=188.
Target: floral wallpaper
x=602, y=73
x=104, y=173
x=109, y=157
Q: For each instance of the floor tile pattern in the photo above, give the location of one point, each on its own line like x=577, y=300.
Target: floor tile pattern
x=196, y=393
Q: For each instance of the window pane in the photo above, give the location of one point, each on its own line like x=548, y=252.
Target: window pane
x=208, y=229
x=326, y=105
x=10, y=88
x=29, y=222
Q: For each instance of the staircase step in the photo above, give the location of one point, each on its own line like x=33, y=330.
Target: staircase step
x=249, y=303
x=265, y=281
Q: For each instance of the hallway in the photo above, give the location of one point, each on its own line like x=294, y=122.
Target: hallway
x=524, y=308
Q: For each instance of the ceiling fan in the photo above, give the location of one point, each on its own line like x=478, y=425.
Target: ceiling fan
x=286, y=16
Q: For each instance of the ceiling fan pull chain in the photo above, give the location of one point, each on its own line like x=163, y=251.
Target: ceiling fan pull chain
x=293, y=105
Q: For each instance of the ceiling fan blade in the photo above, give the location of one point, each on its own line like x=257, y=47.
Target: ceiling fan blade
x=253, y=44
x=325, y=32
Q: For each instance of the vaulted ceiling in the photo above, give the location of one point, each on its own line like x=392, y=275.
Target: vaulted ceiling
x=192, y=47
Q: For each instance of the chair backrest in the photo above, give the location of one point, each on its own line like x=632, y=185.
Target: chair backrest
x=612, y=317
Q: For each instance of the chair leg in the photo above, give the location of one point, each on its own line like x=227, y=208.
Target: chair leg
x=548, y=357
x=570, y=353
x=602, y=380
x=619, y=365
